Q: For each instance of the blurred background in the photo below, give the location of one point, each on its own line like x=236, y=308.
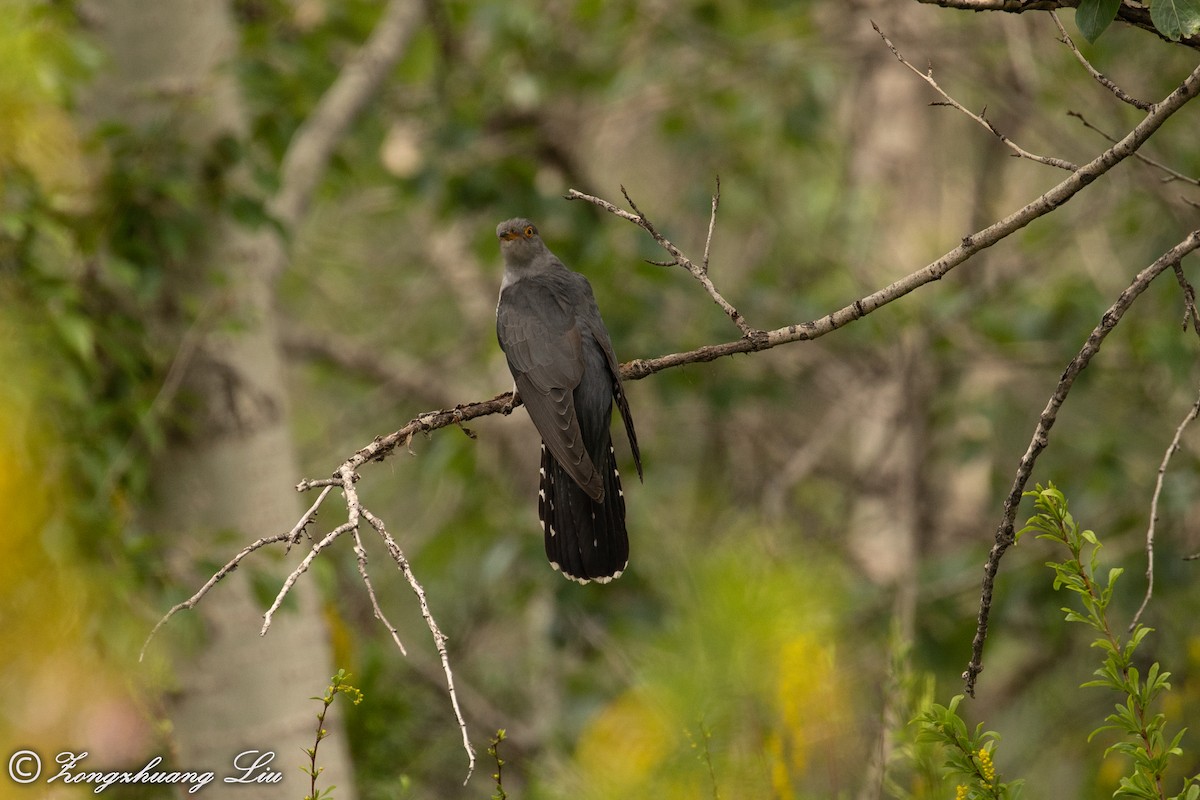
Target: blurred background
x=181, y=346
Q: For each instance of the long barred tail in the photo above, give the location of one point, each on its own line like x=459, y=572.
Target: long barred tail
x=586, y=540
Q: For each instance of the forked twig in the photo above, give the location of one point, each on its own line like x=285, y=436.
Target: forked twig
x=1172, y=174
x=216, y=578
x=314, y=551
x=980, y=118
x=361, y=554
x=439, y=638
x=698, y=271
x=1190, y=313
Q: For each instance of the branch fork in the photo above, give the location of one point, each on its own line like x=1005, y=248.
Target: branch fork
x=678, y=259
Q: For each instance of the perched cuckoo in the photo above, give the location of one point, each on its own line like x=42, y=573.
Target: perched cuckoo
x=567, y=375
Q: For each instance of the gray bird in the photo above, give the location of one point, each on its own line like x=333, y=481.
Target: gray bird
x=567, y=375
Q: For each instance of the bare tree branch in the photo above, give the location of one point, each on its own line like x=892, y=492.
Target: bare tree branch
x=1013, y=6
x=981, y=118
x=302, y=568
x=1172, y=175
x=217, y=576
x=1190, y=312
x=346, y=479
x=971, y=244
x=439, y=638
x=314, y=141
x=1117, y=91
x=1130, y=13
x=698, y=271
x=1041, y=437
x=290, y=537
x=361, y=554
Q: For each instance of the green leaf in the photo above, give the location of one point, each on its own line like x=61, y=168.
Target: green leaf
x=77, y=334
x=1176, y=18
x=1093, y=16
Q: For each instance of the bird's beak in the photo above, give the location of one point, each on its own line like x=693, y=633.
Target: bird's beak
x=508, y=236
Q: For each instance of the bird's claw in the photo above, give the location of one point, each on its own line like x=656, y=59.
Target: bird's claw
x=511, y=403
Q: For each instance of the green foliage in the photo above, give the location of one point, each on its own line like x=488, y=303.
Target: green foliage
x=1093, y=16
x=1145, y=741
x=278, y=71
x=968, y=754
x=1174, y=19
x=97, y=241
x=338, y=684
x=498, y=776
x=68, y=227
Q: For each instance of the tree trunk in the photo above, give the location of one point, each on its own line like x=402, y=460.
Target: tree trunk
x=227, y=477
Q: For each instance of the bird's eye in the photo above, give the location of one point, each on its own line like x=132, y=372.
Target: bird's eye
x=529, y=231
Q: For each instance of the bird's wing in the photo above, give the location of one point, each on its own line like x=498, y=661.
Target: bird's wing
x=540, y=336
x=600, y=335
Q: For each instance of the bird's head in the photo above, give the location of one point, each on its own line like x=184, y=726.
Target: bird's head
x=519, y=241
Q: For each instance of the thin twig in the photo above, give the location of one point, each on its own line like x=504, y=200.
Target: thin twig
x=1158, y=486
x=936, y=270
x=361, y=554
x=316, y=549
x=298, y=529
x=927, y=76
x=1190, y=314
x=1005, y=531
x=439, y=638
x=698, y=271
x=217, y=576
x=1117, y=91
x=1171, y=173
x=712, y=224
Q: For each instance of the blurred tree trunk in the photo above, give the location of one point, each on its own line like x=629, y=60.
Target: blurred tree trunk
x=226, y=474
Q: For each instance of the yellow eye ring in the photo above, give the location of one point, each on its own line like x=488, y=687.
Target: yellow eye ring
x=529, y=231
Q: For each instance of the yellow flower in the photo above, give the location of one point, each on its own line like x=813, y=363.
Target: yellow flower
x=986, y=768
x=960, y=793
